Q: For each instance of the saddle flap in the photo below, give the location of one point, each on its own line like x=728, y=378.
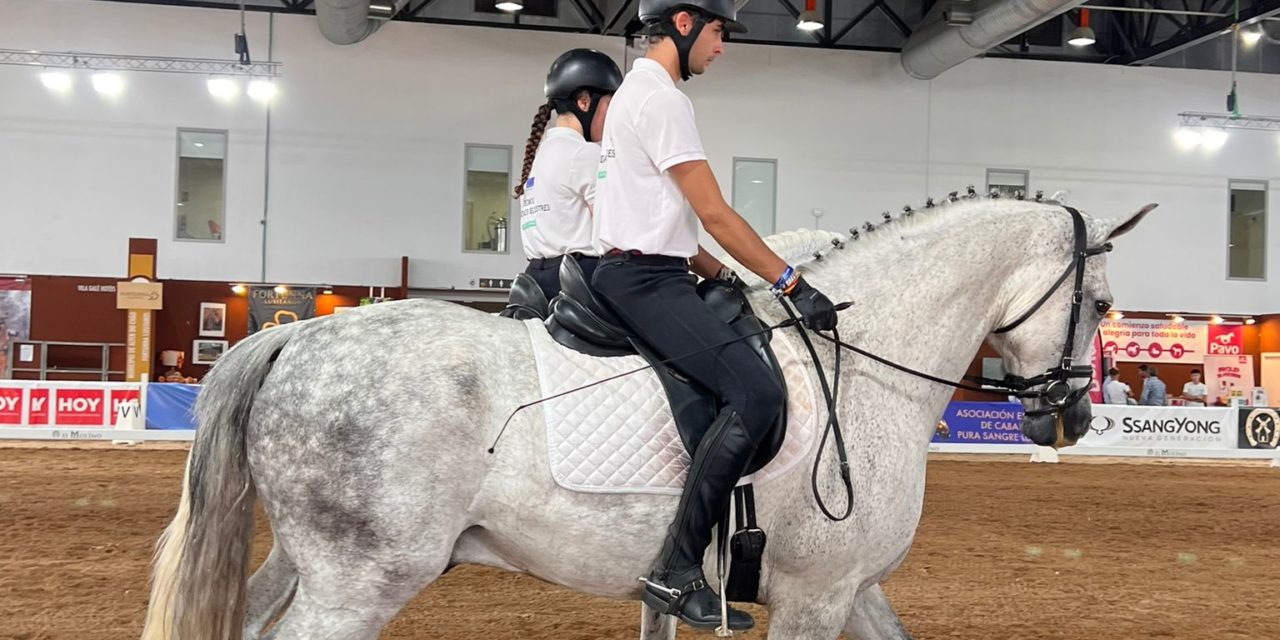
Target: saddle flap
x=573, y=316
x=573, y=283
x=526, y=300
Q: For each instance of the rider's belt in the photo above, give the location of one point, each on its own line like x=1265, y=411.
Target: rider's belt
x=554, y=263
x=635, y=257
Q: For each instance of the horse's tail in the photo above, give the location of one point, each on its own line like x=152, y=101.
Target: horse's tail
x=201, y=562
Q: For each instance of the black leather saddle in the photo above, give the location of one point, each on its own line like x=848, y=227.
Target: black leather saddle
x=526, y=300
x=582, y=322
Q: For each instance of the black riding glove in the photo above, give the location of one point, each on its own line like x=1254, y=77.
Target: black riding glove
x=816, y=309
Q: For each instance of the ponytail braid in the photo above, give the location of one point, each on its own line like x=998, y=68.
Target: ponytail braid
x=539, y=127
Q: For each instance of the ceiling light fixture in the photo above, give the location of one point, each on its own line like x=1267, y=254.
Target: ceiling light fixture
x=809, y=20
x=223, y=87
x=58, y=81
x=108, y=84
x=1083, y=34
x=510, y=6
x=262, y=90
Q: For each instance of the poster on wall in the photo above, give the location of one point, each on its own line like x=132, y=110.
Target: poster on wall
x=1224, y=375
x=15, y=315
x=1117, y=425
x=1154, y=341
x=274, y=306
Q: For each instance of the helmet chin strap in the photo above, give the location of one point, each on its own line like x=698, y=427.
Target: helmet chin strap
x=684, y=43
x=584, y=117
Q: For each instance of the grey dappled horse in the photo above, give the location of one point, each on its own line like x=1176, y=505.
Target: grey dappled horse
x=365, y=435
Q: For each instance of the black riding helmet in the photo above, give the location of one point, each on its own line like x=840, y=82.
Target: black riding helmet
x=580, y=69
x=656, y=14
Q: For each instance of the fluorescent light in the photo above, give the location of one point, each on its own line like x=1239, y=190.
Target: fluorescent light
x=1213, y=138
x=108, y=84
x=809, y=21
x=510, y=6
x=1188, y=137
x=56, y=80
x=327, y=292
x=1082, y=37
x=262, y=90
x=199, y=145
x=1251, y=36
x=224, y=88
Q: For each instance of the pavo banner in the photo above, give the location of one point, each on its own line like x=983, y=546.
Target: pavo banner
x=274, y=306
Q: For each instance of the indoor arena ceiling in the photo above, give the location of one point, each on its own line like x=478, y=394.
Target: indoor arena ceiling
x=1171, y=33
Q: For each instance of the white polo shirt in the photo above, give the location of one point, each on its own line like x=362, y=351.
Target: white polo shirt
x=555, y=210
x=1195, y=389
x=650, y=129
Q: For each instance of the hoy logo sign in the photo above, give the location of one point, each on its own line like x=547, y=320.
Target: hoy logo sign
x=1226, y=341
x=79, y=406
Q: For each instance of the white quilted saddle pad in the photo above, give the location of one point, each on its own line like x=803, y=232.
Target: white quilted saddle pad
x=620, y=436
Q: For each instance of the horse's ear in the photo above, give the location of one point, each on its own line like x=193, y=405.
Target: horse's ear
x=1125, y=225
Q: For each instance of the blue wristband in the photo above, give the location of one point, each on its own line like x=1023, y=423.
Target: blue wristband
x=785, y=278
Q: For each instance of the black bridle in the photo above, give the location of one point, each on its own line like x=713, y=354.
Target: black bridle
x=1052, y=388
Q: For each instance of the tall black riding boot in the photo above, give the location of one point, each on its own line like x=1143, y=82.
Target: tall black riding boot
x=677, y=586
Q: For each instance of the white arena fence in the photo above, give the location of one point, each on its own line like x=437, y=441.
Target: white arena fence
x=120, y=412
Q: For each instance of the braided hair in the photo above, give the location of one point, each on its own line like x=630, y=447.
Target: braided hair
x=539, y=127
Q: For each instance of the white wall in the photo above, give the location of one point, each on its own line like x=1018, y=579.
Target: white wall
x=366, y=147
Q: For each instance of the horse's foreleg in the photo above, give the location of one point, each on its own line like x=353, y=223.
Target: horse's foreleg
x=655, y=626
x=874, y=619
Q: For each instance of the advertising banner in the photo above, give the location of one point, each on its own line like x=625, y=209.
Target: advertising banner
x=981, y=423
x=1117, y=425
x=1259, y=428
x=1226, y=340
x=270, y=308
x=1154, y=341
x=1224, y=374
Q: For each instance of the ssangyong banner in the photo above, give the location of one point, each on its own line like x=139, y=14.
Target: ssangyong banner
x=1154, y=341
x=1116, y=425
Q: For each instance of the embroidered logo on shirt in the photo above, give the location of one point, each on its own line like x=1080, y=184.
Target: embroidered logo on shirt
x=528, y=184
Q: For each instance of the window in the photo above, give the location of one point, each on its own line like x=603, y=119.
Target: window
x=1008, y=181
x=200, y=205
x=487, y=198
x=1246, y=243
x=755, y=189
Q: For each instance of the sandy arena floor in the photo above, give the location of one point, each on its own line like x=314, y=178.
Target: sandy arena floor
x=1005, y=550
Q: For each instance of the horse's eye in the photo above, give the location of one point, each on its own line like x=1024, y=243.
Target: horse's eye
x=1103, y=306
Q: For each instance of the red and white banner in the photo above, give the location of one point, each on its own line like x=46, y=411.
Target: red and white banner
x=1226, y=340
x=1223, y=374
x=53, y=404
x=1154, y=341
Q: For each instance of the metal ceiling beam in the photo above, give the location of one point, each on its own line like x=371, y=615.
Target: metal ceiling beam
x=618, y=16
x=1192, y=37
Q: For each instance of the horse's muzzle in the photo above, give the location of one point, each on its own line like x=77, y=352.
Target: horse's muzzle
x=1059, y=430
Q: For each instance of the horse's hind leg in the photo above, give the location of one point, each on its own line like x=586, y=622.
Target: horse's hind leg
x=874, y=619
x=270, y=589
x=356, y=600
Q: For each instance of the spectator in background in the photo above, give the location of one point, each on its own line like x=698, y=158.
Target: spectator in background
x=1153, y=390
x=1113, y=390
x=1195, y=392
